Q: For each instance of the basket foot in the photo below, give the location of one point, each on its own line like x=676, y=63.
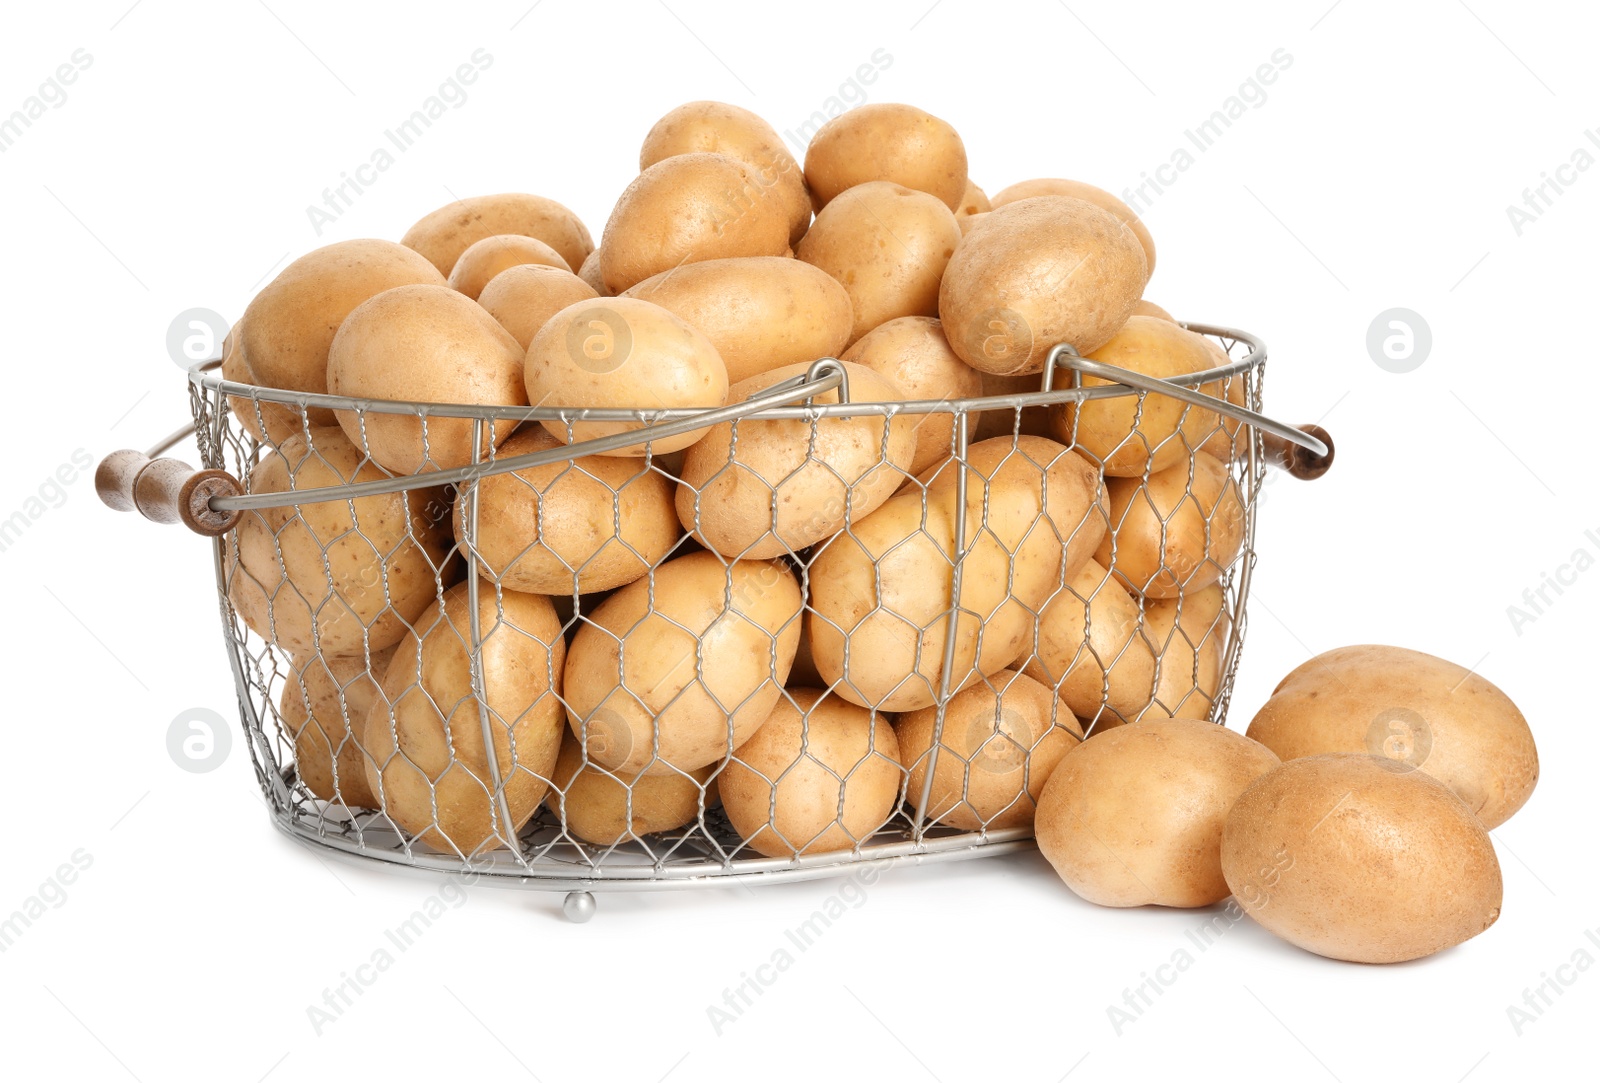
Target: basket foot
x=578, y=906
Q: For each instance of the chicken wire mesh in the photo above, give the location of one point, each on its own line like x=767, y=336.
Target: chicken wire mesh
x=453, y=675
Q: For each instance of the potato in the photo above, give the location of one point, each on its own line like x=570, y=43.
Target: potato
x=1133, y=434
x=427, y=760
x=267, y=422
x=1190, y=645
x=424, y=344
x=913, y=353
x=582, y=525
x=688, y=208
x=673, y=672
x=888, y=246
x=973, y=201
x=1418, y=710
x=1134, y=816
x=590, y=273
x=1002, y=739
x=337, y=577
x=486, y=258
x=763, y=488
x=760, y=312
x=1175, y=532
x=444, y=234
x=603, y=808
x=1150, y=308
x=1349, y=857
x=1038, y=273
x=1093, y=648
x=818, y=775
x=720, y=128
x=887, y=142
x=620, y=352
x=969, y=222
x=1220, y=437
x=324, y=707
x=1029, y=189
x=523, y=298
x=1034, y=421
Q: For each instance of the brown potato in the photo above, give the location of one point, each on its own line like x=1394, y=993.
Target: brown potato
x=1179, y=531
x=1133, y=434
x=760, y=312
x=324, y=708
x=818, y=775
x=604, y=808
x=969, y=222
x=887, y=142
x=720, y=128
x=621, y=352
x=1220, y=437
x=673, y=672
x=1089, y=194
x=1002, y=738
x=267, y=422
x=972, y=202
x=1093, y=649
x=1349, y=857
x=427, y=760
x=1150, y=308
x=486, y=258
x=1037, y=273
x=337, y=577
x=423, y=344
x=1134, y=816
x=763, y=488
x=913, y=353
x=1420, y=711
x=590, y=273
x=1190, y=646
x=888, y=246
x=688, y=208
x=444, y=234
x=581, y=525
x=523, y=298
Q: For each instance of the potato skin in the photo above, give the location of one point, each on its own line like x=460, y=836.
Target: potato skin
x=324, y=708
x=604, y=808
x=701, y=662
x=267, y=422
x=760, y=312
x=1150, y=308
x=973, y=201
x=818, y=473
x=430, y=769
x=523, y=298
x=591, y=523
x=1052, y=186
x=1421, y=711
x=886, y=141
x=1134, y=815
x=1001, y=741
x=1003, y=298
x=784, y=788
x=1178, y=531
x=1092, y=648
x=1190, y=646
x=590, y=273
x=913, y=353
x=1347, y=857
x=486, y=258
x=888, y=245
x=442, y=235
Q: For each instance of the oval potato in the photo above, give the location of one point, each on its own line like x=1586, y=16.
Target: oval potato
x=1178, y=531
x=486, y=258
x=886, y=141
x=523, y=298
x=442, y=235
x=1093, y=649
x=604, y=808
x=914, y=355
x=324, y=708
x=1051, y=186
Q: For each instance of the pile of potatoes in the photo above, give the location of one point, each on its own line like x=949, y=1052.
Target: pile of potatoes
x=754, y=614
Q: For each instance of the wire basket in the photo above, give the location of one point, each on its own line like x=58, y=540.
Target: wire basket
x=556, y=774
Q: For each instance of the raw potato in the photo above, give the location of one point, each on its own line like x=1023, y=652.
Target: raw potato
x=590, y=273
x=620, y=352
x=1133, y=434
x=1134, y=816
x=486, y=258
x=267, y=422
x=972, y=202
x=819, y=775
x=444, y=234
x=1150, y=308
x=760, y=312
x=970, y=222
x=316, y=578
x=1418, y=710
x=702, y=647
x=887, y=142
x=1038, y=273
x=1190, y=647
x=431, y=770
x=1175, y=532
x=1346, y=856
x=1089, y=194
x=888, y=246
x=324, y=709
x=424, y=344
x=913, y=353
x=1094, y=649
x=1220, y=437
x=587, y=524
x=1035, y=420
x=523, y=298
x=818, y=473
x=688, y=208
x=603, y=808
x=1001, y=741
x=720, y=128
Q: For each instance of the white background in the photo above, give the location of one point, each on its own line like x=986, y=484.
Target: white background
x=1376, y=174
